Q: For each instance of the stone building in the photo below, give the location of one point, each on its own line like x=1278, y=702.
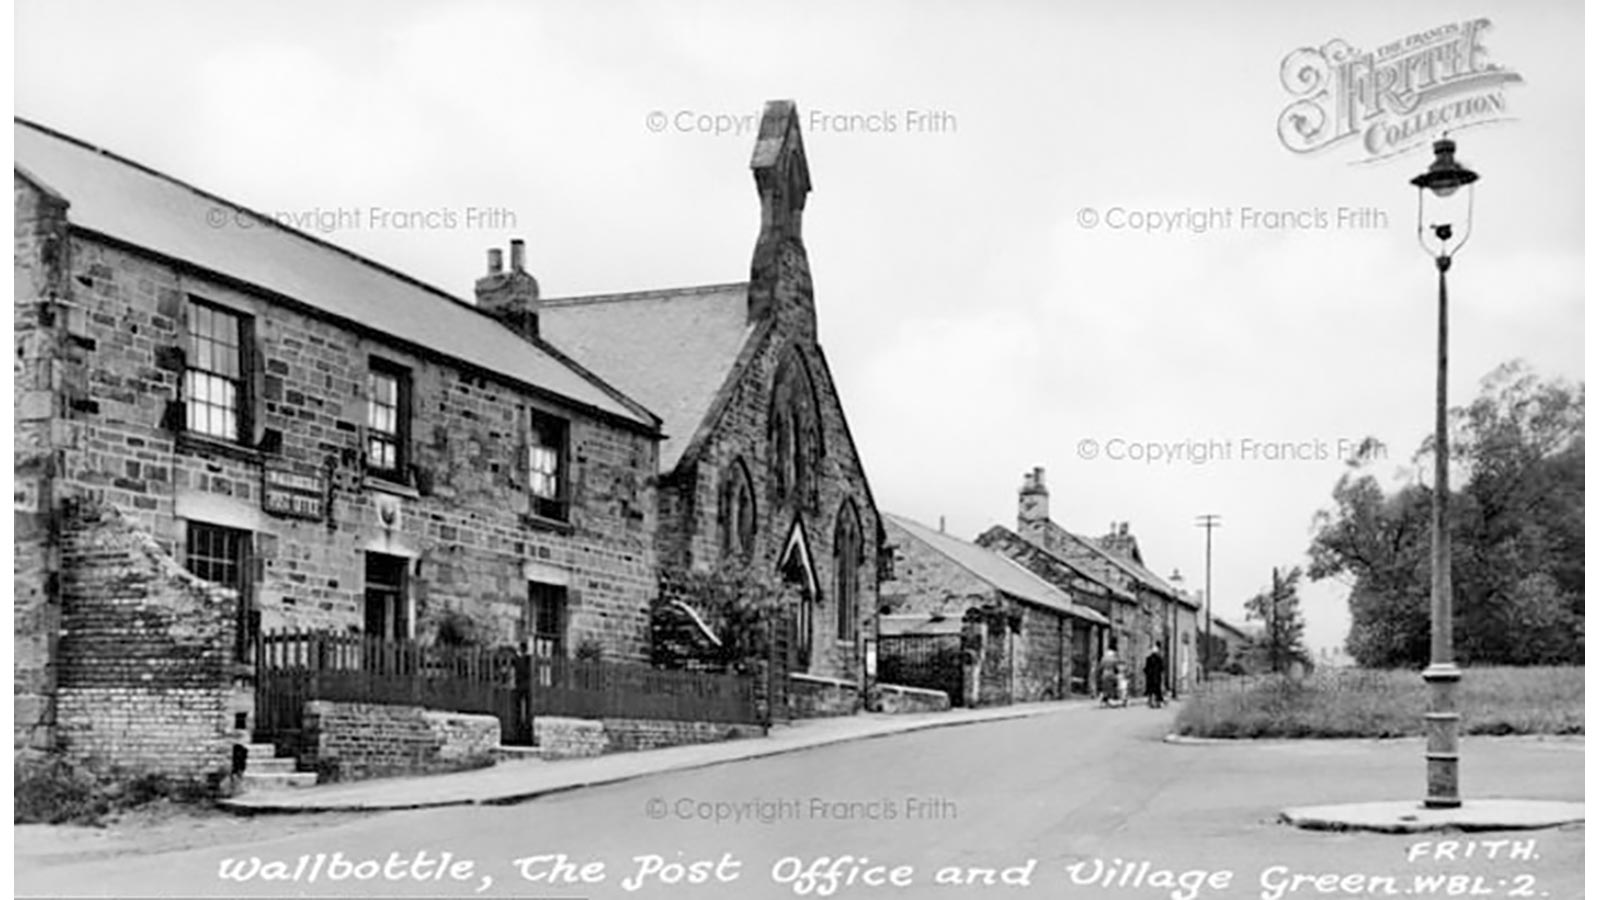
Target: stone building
x=759, y=481
x=325, y=443
x=226, y=427
x=1022, y=639
x=1159, y=614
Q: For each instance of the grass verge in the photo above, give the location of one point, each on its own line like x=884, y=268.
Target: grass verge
x=1347, y=703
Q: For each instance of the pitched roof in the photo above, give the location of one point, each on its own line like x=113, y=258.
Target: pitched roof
x=997, y=570
x=1081, y=573
x=1133, y=569
x=129, y=203
x=671, y=350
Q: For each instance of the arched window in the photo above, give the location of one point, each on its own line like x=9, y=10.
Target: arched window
x=794, y=433
x=736, y=512
x=847, y=570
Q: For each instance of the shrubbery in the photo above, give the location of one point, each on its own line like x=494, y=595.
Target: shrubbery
x=52, y=791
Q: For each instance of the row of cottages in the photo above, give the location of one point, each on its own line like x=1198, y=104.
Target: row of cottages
x=1162, y=616
x=979, y=626
x=1113, y=603
x=225, y=427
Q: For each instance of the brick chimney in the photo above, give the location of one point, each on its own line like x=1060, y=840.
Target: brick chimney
x=510, y=296
x=1033, y=505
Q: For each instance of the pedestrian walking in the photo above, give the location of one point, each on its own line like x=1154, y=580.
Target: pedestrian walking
x=1155, y=673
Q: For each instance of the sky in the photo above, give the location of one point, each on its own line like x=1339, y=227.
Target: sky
x=1071, y=236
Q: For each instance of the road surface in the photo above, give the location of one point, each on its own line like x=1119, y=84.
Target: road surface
x=1080, y=803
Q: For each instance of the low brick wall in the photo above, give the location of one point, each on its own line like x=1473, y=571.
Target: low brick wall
x=896, y=698
x=564, y=738
x=815, y=696
x=349, y=741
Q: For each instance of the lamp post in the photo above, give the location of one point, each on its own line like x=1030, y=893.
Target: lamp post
x=1435, y=189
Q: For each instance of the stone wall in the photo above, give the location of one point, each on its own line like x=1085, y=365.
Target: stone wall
x=145, y=675
x=650, y=734
x=462, y=522
x=929, y=582
x=38, y=262
x=1044, y=656
x=349, y=741
x=815, y=696
x=560, y=737
x=895, y=699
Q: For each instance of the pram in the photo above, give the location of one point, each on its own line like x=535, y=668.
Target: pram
x=1114, y=689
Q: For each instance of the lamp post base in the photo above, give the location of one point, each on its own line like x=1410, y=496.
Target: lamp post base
x=1443, y=729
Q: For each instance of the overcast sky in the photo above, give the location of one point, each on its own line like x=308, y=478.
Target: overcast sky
x=985, y=300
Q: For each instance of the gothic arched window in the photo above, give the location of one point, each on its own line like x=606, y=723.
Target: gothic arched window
x=794, y=433
x=847, y=570
x=736, y=512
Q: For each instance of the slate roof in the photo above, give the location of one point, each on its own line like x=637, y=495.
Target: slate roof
x=671, y=350
x=997, y=570
x=126, y=202
x=1082, y=573
x=1133, y=569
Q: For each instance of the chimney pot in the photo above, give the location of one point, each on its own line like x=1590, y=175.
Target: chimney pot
x=517, y=256
x=496, y=261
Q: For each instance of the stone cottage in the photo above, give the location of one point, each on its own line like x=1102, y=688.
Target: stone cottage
x=1019, y=638
x=1145, y=611
x=334, y=445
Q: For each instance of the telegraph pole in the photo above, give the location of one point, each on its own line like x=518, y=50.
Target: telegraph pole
x=1209, y=521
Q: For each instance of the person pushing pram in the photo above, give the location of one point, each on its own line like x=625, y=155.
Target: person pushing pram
x=1113, y=680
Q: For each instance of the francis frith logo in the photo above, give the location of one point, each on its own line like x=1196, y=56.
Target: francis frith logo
x=1393, y=98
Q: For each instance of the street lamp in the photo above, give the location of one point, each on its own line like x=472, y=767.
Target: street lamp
x=1436, y=207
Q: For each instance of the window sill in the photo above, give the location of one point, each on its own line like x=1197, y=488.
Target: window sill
x=372, y=482
x=540, y=523
x=198, y=443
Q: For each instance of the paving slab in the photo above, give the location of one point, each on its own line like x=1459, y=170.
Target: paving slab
x=1409, y=816
x=517, y=780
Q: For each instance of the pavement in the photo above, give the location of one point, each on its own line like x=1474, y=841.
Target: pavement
x=517, y=780
x=1411, y=816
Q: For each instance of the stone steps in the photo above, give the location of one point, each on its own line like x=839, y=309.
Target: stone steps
x=264, y=770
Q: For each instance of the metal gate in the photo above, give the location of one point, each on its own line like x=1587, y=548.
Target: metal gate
x=932, y=661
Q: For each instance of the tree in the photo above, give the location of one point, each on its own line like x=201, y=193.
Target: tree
x=1282, y=639
x=1516, y=531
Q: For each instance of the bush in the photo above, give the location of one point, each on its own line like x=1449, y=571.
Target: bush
x=1369, y=703
x=52, y=791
